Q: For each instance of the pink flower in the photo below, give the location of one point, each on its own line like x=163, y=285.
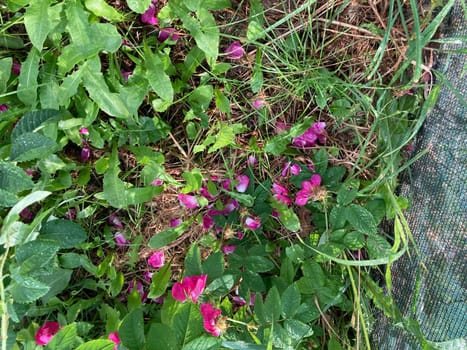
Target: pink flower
x=188, y=201
x=175, y=222
x=307, y=190
x=258, y=103
x=147, y=275
x=228, y=249
x=190, y=288
x=281, y=194
x=85, y=154
x=120, y=239
x=45, y=333
x=208, y=221
x=149, y=16
x=157, y=182
x=166, y=33
x=252, y=161
x=84, y=131
x=115, y=338
x=315, y=133
x=115, y=221
x=3, y=108
x=16, y=67
x=211, y=318
x=156, y=260
x=229, y=207
x=243, y=182
x=126, y=74
x=252, y=223
x=235, y=51
x=205, y=193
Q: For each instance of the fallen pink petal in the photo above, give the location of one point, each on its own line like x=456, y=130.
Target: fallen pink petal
x=168, y=33
x=315, y=180
x=189, y=288
x=149, y=16
x=188, y=201
x=295, y=169
x=85, y=154
x=253, y=223
x=115, y=338
x=120, y=239
x=228, y=249
x=84, y=131
x=175, y=222
x=157, y=182
x=258, y=103
x=252, y=161
x=243, y=182
x=211, y=317
x=115, y=221
x=235, y=51
x=3, y=108
x=208, y=221
x=156, y=259
x=46, y=332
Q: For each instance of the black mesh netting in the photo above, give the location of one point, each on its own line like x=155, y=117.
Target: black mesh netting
x=431, y=287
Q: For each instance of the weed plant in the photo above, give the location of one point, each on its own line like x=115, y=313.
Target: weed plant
x=206, y=174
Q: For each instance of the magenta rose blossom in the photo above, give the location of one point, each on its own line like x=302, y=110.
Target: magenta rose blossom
x=156, y=260
x=235, y=51
x=211, y=318
x=115, y=338
x=45, y=333
x=189, y=288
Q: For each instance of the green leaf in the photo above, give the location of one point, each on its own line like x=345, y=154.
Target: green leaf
x=116, y=284
x=213, y=266
x=278, y=144
x=225, y=136
x=287, y=216
x=14, y=179
x=361, y=219
x=98, y=344
x=348, y=192
x=165, y=237
x=131, y=330
x=257, y=80
x=101, y=9
x=27, y=80
x=7, y=199
x=114, y=188
x=32, y=120
x=222, y=102
x=258, y=264
x=31, y=146
x=337, y=217
x=160, y=281
x=161, y=336
x=5, y=72
x=221, y=286
x=201, y=98
x=25, y=289
x=273, y=305
x=187, y=323
x=241, y=345
x=320, y=161
x=216, y=4
x=193, y=261
x=156, y=75
x=36, y=27
x=57, y=281
x=138, y=6
x=65, y=339
x=297, y=330
x=255, y=29
x=110, y=102
x=36, y=254
x=67, y=233
x=203, y=343
x=290, y=301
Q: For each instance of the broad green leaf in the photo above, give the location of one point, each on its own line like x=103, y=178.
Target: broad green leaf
x=157, y=77
x=101, y=9
x=258, y=263
x=160, y=281
x=114, y=188
x=14, y=179
x=138, y=6
x=57, y=281
x=161, y=336
x=337, y=217
x=187, y=323
x=36, y=254
x=290, y=301
x=65, y=339
x=361, y=219
x=256, y=81
x=110, y=102
x=320, y=161
x=241, y=345
x=31, y=146
x=348, y=192
x=203, y=343
x=13, y=214
x=5, y=72
x=297, y=330
x=273, y=305
x=165, y=237
x=32, y=120
x=36, y=23
x=9, y=41
x=226, y=136
x=116, y=284
x=193, y=261
x=221, y=286
x=67, y=233
x=25, y=289
x=201, y=98
x=255, y=29
x=7, y=199
x=131, y=330
x=27, y=80
x=193, y=180
x=287, y=216
x=216, y=4
x=278, y=144
x=222, y=102
x=98, y=344
x=213, y=266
